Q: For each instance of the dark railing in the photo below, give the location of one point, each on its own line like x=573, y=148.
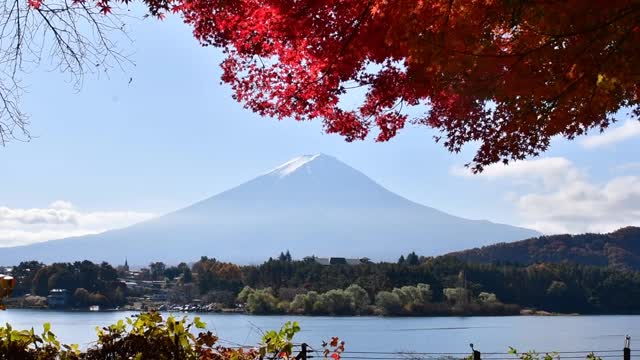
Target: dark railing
x=306, y=352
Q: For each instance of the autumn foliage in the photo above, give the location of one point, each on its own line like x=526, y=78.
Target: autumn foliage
x=150, y=336
x=509, y=74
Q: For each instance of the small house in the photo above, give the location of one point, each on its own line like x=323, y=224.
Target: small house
x=58, y=298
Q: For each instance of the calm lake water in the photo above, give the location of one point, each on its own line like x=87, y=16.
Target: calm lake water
x=432, y=334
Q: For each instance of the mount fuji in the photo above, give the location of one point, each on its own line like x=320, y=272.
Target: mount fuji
x=311, y=205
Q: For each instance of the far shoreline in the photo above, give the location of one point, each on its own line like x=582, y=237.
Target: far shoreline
x=523, y=313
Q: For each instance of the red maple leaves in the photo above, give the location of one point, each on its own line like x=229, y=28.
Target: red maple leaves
x=334, y=349
x=509, y=75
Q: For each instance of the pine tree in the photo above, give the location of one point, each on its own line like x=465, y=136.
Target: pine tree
x=412, y=259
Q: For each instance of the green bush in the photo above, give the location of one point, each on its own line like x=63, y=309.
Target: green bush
x=360, y=298
x=456, y=295
x=260, y=301
x=337, y=302
x=148, y=336
x=389, y=303
x=411, y=296
x=304, y=303
x=404, y=300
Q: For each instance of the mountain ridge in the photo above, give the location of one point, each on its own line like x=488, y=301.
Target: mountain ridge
x=619, y=249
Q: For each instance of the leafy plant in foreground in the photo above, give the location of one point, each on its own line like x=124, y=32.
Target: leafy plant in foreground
x=27, y=345
x=150, y=337
x=533, y=355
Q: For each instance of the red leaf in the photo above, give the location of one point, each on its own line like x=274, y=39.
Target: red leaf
x=35, y=4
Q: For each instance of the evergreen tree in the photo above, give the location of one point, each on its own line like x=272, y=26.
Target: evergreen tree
x=413, y=259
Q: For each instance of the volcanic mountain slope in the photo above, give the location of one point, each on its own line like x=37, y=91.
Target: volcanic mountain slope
x=311, y=205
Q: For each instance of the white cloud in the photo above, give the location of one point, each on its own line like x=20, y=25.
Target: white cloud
x=548, y=171
x=563, y=200
x=59, y=220
x=584, y=207
x=61, y=204
x=630, y=129
x=627, y=167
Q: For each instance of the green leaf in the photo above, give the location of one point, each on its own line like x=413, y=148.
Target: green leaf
x=199, y=324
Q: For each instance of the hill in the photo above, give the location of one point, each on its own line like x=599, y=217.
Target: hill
x=620, y=249
x=313, y=204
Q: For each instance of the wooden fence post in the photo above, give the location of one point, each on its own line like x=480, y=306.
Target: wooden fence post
x=626, y=352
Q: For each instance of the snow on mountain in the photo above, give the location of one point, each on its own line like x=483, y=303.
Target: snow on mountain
x=311, y=205
x=293, y=165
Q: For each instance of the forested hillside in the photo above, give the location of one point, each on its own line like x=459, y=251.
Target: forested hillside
x=619, y=249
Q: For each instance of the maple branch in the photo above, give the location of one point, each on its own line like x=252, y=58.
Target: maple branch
x=76, y=38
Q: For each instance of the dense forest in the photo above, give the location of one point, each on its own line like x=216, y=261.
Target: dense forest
x=619, y=249
x=561, y=287
x=411, y=286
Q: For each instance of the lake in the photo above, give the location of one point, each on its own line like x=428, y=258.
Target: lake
x=426, y=334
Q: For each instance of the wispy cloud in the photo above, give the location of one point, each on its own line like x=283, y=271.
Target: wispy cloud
x=59, y=220
x=628, y=130
x=548, y=171
x=627, y=167
x=564, y=200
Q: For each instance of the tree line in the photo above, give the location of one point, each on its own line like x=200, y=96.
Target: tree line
x=86, y=282
x=412, y=285
x=619, y=249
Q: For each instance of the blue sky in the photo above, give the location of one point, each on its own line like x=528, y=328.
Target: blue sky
x=115, y=153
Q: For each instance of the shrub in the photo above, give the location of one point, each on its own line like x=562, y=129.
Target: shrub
x=304, y=303
x=81, y=297
x=455, y=295
x=260, y=301
x=337, y=302
x=288, y=294
x=244, y=294
x=389, y=303
x=25, y=344
x=412, y=296
x=360, y=298
x=98, y=299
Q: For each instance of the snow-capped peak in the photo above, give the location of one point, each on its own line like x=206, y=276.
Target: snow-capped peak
x=292, y=165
